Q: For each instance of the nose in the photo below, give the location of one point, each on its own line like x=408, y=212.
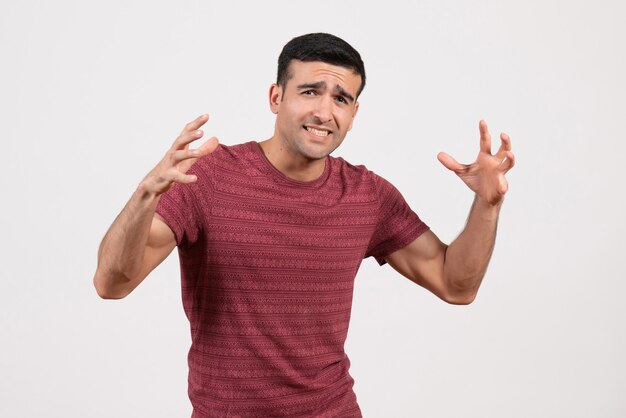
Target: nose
x=324, y=109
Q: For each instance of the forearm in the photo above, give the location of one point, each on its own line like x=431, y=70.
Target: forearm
x=121, y=252
x=468, y=256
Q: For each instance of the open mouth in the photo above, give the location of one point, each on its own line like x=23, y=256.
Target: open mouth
x=318, y=132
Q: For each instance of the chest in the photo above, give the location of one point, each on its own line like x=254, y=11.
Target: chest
x=256, y=223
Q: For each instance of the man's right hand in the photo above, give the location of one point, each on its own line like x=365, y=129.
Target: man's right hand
x=179, y=158
x=138, y=240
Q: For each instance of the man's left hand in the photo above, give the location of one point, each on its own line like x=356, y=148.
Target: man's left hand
x=485, y=176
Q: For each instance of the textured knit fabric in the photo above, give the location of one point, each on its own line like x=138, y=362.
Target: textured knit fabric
x=268, y=266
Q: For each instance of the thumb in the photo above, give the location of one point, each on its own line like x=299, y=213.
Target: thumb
x=205, y=149
x=449, y=162
x=210, y=145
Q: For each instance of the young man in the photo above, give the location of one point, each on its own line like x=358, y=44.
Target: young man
x=270, y=236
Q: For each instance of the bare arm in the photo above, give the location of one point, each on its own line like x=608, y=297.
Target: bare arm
x=454, y=273
x=139, y=240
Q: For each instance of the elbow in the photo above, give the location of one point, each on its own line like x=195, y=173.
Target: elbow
x=106, y=291
x=461, y=291
x=462, y=299
x=461, y=295
x=105, y=294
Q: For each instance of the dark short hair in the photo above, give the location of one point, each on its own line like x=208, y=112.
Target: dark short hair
x=322, y=47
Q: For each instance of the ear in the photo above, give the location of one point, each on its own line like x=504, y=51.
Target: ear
x=356, y=109
x=276, y=94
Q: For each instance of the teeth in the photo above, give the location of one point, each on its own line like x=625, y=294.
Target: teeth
x=317, y=131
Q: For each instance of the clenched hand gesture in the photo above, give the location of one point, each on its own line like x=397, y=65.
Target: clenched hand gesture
x=179, y=158
x=485, y=176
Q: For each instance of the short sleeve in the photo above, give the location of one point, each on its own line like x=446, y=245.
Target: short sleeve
x=397, y=224
x=179, y=208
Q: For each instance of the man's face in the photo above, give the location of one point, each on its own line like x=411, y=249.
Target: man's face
x=316, y=108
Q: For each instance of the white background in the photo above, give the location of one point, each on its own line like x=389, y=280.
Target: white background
x=92, y=94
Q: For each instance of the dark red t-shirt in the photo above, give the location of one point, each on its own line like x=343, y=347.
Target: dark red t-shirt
x=268, y=266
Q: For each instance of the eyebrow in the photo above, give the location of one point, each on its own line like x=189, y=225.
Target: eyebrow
x=322, y=85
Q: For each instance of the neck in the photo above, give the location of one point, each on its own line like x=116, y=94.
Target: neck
x=293, y=166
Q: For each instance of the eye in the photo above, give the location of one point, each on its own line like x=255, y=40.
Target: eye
x=309, y=92
x=341, y=99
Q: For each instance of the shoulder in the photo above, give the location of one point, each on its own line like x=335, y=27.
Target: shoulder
x=361, y=183
x=352, y=173
x=227, y=156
